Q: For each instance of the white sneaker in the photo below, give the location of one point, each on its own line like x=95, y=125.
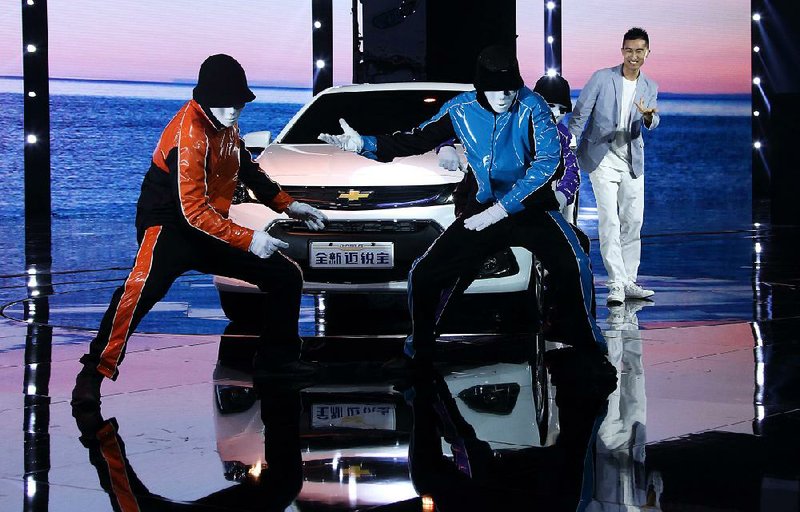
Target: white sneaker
x=616, y=295
x=634, y=291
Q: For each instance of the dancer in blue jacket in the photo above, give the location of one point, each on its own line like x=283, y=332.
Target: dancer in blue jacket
x=512, y=145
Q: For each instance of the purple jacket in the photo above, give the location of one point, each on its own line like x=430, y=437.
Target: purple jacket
x=571, y=181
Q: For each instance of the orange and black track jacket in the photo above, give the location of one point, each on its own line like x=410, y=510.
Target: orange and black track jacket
x=192, y=177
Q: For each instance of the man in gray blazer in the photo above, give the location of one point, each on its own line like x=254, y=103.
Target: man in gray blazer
x=607, y=121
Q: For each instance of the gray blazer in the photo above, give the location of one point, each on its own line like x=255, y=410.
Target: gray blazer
x=599, y=104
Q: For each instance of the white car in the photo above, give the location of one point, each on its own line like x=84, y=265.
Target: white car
x=382, y=216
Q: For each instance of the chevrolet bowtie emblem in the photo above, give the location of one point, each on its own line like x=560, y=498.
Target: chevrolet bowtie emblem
x=354, y=195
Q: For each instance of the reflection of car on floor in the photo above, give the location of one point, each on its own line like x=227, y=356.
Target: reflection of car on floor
x=354, y=438
x=382, y=215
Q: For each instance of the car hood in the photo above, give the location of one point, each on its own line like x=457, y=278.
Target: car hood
x=326, y=165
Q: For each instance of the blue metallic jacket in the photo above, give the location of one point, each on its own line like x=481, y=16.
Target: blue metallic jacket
x=514, y=155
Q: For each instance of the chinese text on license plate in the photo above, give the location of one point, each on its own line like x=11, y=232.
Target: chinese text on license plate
x=372, y=416
x=351, y=255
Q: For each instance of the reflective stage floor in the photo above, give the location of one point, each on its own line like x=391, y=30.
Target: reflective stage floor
x=705, y=414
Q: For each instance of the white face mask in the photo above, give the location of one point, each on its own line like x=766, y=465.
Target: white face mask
x=227, y=116
x=500, y=101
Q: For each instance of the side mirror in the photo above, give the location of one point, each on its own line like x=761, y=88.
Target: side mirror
x=256, y=142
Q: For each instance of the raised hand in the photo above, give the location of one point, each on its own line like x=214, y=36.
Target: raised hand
x=645, y=111
x=349, y=140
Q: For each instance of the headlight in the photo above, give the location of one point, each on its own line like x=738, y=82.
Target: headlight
x=232, y=399
x=491, y=398
x=236, y=471
x=500, y=264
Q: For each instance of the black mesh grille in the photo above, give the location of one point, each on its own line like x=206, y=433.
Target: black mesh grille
x=411, y=238
x=366, y=198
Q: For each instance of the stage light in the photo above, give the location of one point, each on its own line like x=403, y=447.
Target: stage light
x=320, y=64
x=29, y=2
x=31, y=94
x=757, y=144
x=552, y=72
x=756, y=49
x=550, y=6
x=31, y=48
x=550, y=39
x=317, y=24
x=756, y=80
x=31, y=139
x=756, y=17
x=756, y=113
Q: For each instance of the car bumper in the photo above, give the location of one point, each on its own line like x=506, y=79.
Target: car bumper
x=430, y=221
x=513, y=283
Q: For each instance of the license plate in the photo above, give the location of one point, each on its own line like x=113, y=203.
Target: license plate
x=342, y=415
x=351, y=255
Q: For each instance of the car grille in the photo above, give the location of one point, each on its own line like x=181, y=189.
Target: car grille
x=411, y=238
x=366, y=198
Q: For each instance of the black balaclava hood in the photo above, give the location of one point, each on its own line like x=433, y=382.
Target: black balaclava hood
x=221, y=82
x=554, y=89
x=497, y=70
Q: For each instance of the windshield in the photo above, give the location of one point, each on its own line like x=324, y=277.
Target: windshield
x=369, y=113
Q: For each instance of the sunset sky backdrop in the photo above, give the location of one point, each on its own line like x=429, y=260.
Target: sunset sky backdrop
x=697, y=47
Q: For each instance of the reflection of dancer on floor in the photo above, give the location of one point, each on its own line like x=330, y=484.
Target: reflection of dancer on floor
x=556, y=477
x=512, y=146
x=620, y=460
x=182, y=224
x=608, y=121
x=273, y=490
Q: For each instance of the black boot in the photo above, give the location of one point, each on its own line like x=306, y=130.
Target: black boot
x=86, y=392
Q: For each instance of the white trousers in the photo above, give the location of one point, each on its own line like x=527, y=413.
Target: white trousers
x=620, y=212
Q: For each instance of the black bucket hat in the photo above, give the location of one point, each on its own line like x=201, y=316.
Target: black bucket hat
x=221, y=82
x=554, y=89
x=497, y=70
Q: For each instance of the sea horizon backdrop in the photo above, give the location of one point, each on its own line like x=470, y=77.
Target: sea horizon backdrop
x=103, y=133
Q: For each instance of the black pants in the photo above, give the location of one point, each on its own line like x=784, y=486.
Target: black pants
x=166, y=252
x=458, y=253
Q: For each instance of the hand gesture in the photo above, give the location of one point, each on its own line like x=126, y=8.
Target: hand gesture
x=264, y=245
x=350, y=140
x=449, y=159
x=645, y=111
x=486, y=218
x=314, y=219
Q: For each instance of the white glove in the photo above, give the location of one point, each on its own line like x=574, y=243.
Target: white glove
x=562, y=199
x=573, y=143
x=264, y=245
x=314, y=219
x=350, y=140
x=486, y=218
x=449, y=159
